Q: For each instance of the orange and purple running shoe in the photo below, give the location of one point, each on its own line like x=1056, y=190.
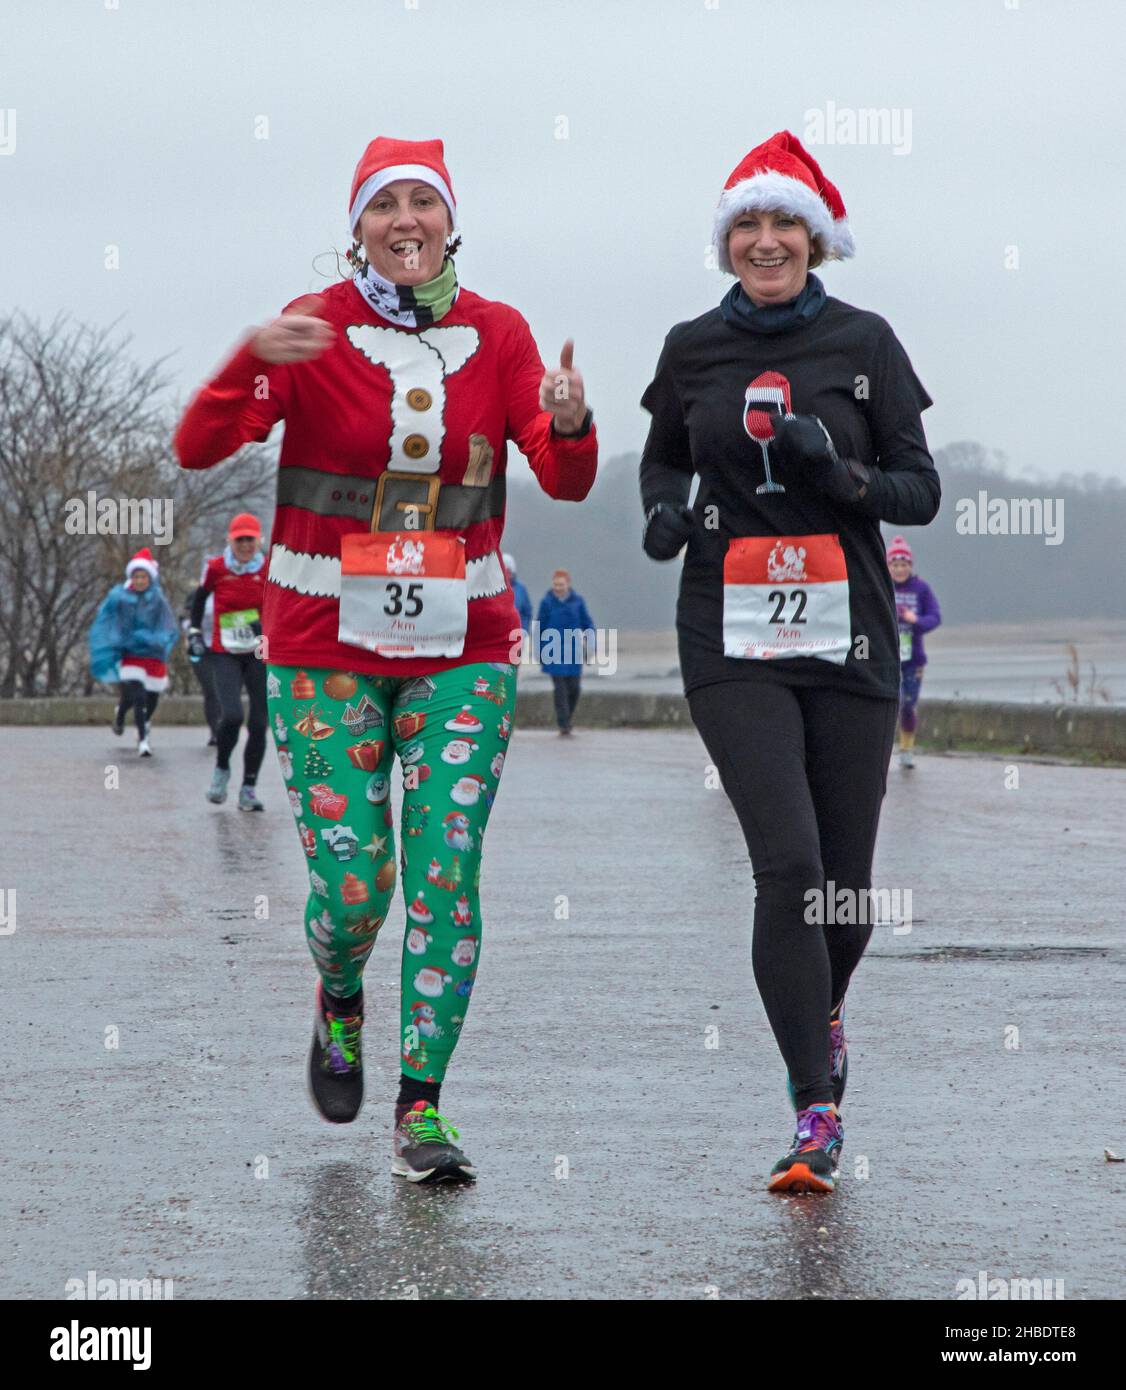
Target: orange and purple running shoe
x=812, y=1162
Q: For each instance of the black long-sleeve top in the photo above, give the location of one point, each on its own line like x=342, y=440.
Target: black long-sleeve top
x=845, y=366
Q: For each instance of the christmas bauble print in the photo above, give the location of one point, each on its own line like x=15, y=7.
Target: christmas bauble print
x=340, y=685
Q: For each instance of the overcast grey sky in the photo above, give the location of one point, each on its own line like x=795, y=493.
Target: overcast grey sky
x=135, y=126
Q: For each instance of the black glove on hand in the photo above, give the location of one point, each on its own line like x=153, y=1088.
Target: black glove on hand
x=803, y=443
x=196, y=646
x=667, y=526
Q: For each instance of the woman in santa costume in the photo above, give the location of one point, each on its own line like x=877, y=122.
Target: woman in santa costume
x=801, y=417
x=130, y=639
x=235, y=582
x=387, y=615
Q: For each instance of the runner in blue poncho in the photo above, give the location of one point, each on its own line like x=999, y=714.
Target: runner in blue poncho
x=130, y=639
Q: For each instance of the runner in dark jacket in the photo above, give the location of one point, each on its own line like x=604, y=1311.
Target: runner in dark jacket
x=801, y=417
x=565, y=627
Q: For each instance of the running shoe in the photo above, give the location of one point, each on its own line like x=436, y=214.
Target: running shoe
x=217, y=791
x=906, y=757
x=248, y=800
x=814, y=1156
x=336, y=1066
x=838, y=1061
x=423, y=1151
x=838, y=1056
x=143, y=749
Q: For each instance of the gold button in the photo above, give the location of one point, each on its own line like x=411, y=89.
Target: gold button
x=415, y=446
x=418, y=399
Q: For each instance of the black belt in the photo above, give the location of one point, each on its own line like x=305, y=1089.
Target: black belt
x=394, y=501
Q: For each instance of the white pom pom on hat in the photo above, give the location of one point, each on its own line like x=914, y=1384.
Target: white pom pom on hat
x=143, y=560
x=780, y=175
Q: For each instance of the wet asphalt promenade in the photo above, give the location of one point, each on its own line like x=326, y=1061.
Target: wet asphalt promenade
x=616, y=1082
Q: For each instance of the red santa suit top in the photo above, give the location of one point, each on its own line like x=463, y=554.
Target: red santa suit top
x=237, y=602
x=385, y=400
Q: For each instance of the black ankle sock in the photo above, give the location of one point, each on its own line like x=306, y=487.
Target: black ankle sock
x=411, y=1090
x=354, y=1004
x=249, y=781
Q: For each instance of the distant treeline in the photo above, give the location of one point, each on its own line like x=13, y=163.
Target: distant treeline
x=978, y=577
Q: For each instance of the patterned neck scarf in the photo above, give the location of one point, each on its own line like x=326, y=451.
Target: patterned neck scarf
x=251, y=566
x=408, y=306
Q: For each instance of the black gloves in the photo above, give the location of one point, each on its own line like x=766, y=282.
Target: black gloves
x=196, y=646
x=667, y=526
x=802, y=443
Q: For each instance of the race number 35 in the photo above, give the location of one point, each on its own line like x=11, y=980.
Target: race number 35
x=395, y=604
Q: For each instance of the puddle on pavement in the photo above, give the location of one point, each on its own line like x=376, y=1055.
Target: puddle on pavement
x=1003, y=953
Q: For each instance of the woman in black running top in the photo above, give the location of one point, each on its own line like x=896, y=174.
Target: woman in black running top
x=801, y=417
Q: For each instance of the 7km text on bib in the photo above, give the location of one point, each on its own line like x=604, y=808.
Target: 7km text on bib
x=786, y=596
x=403, y=594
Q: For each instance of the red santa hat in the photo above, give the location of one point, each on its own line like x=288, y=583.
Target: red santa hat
x=781, y=176
x=465, y=720
x=386, y=160
x=418, y=909
x=899, y=549
x=143, y=560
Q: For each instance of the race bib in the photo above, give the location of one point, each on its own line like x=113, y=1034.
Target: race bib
x=236, y=630
x=786, y=596
x=403, y=595
x=906, y=644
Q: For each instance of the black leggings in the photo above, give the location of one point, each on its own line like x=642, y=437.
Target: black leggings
x=806, y=770
x=229, y=673
x=567, y=691
x=142, y=702
x=202, y=669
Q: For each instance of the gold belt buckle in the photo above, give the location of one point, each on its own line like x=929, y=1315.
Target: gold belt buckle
x=426, y=511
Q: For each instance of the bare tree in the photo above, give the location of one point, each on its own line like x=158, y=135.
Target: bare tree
x=78, y=415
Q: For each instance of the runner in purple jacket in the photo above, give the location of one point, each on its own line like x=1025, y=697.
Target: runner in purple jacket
x=918, y=613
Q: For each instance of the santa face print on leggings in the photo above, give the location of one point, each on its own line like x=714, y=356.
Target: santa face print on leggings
x=338, y=734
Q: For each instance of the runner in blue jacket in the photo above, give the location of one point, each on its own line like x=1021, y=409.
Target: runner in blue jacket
x=564, y=625
x=519, y=594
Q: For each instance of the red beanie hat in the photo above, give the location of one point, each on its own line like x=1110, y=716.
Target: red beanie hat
x=900, y=550
x=386, y=160
x=143, y=560
x=781, y=176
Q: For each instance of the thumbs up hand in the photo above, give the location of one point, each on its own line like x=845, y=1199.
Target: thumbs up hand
x=561, y=393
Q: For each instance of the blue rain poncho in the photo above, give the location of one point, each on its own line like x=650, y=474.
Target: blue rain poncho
x=128, y=622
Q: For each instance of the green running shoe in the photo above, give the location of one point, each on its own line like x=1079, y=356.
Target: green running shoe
x=423, y=1151
x=336, y=1064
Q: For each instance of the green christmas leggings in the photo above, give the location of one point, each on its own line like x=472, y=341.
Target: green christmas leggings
x=337, y=735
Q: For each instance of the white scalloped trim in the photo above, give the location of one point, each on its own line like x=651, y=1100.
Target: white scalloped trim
x=319, y=575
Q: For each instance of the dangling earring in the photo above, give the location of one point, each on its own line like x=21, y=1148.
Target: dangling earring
x=453, y=245
x=353, y=257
